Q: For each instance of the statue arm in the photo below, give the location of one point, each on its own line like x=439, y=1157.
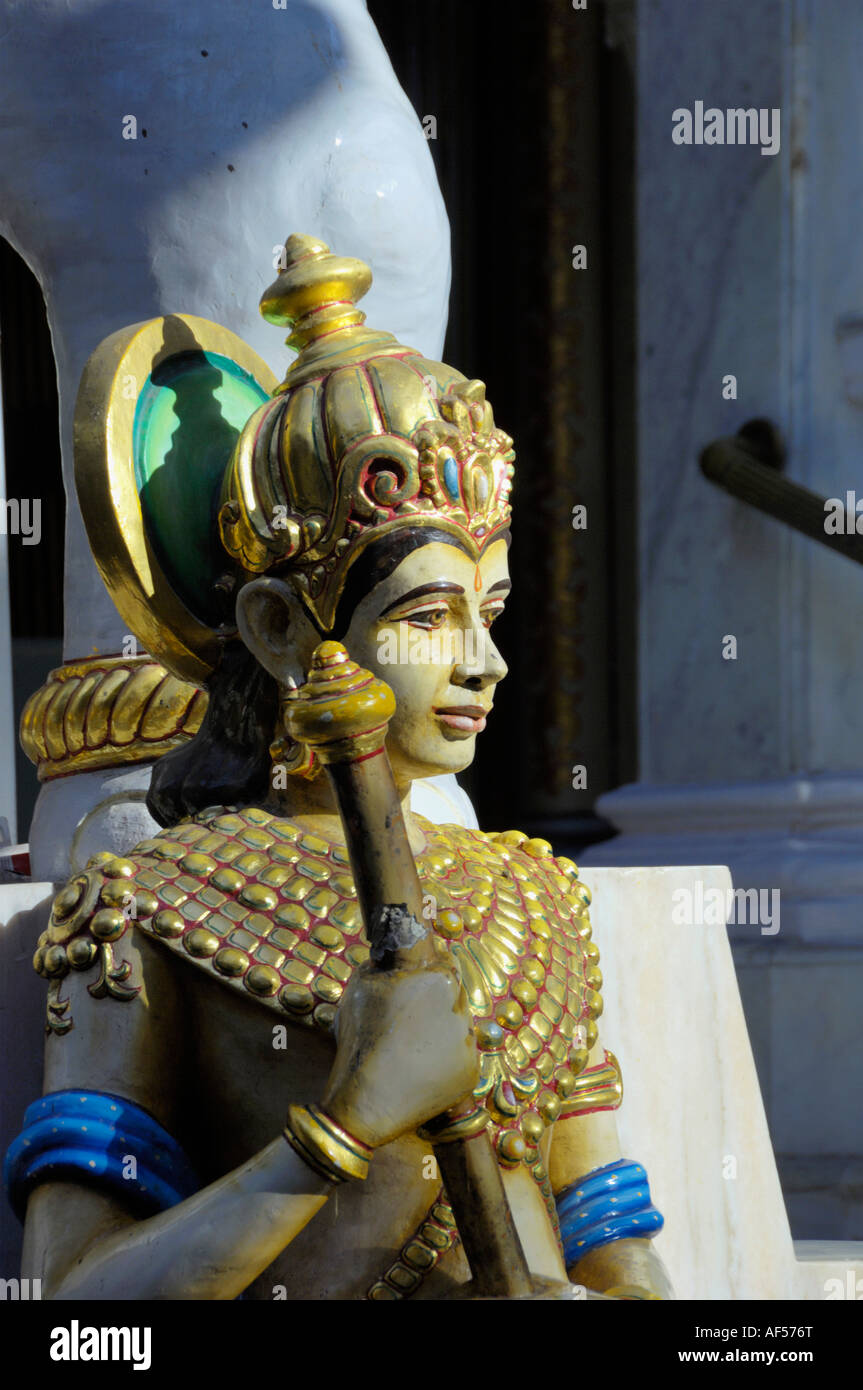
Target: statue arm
x=583, y=1145
x=210, y=1246
x=86, y=1243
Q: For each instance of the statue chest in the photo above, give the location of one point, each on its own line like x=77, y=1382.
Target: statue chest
x=270, y=911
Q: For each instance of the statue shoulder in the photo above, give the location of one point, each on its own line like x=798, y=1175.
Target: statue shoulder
x=537, y=850
x=257, y=901
x=96, y=909
x=524, y=855
x=509, y=872
x=89, y=917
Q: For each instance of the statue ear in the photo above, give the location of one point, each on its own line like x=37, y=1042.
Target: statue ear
x=276, y=629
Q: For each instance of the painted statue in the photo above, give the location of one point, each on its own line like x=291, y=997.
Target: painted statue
x=303, y=1043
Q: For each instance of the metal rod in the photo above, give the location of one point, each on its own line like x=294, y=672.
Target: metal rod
x=737, y=465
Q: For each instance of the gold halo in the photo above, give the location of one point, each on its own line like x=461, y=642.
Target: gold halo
x=107, y=489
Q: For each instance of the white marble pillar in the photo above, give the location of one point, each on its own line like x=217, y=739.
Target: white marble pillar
x=752, y=265
x=252, y=122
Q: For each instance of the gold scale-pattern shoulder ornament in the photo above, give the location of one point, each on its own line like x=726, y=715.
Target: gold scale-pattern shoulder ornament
x=272, y=911
x=363, y=436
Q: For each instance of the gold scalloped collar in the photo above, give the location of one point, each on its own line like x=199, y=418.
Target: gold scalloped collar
x=271, y=910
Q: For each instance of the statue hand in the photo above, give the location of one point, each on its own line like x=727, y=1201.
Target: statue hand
x=405, y=1051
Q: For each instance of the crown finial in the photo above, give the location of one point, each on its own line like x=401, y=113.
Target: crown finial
x=316, y=292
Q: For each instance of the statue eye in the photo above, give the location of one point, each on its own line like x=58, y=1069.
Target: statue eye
x=489, y=614
x=428, y=617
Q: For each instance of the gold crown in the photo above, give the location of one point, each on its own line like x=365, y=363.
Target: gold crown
x=363, y=437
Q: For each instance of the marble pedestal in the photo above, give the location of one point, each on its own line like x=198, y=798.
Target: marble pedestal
x=692, y=1109
x=799, y=842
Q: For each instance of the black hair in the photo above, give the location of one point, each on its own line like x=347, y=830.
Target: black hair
x=228, y=762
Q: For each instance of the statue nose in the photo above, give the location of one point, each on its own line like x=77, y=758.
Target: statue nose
x=487, y=667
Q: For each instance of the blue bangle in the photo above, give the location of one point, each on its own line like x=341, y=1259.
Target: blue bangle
x=89, y=1134
x=609, y=1203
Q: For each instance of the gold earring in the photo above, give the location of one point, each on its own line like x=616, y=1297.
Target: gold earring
x=297, y=759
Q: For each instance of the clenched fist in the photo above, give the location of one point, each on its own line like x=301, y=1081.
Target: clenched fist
x=405, y=1051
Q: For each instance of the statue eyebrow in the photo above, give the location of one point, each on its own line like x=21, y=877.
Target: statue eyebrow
x=502, y=585
x=439, y=586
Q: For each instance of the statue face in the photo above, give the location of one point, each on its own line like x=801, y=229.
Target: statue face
x=425, y=630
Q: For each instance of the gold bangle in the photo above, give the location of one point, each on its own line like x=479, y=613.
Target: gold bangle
x=327, y=1148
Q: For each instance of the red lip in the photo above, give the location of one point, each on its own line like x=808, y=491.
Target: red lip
x=471, y=711
x=467, y=719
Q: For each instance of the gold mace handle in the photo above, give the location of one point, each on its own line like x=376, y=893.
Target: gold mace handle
x=342, y=713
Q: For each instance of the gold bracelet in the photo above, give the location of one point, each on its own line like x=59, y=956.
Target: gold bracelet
x=327, y=1148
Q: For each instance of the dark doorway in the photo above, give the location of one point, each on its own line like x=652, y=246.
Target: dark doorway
x=533, y=145
x=33, y=471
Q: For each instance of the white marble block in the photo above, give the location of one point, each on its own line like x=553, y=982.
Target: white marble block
x=692, y=1110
